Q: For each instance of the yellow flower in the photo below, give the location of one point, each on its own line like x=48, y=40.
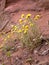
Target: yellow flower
x=22, y=16
x=8, y=36
x=28, y=15
x=31, y=24
x=20, y=21
x=36, y=17
x=25, y=31
x=26, y=27
x=14, y=28
x=19, y=31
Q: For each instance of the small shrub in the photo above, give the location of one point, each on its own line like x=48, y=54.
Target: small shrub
x=27, y=31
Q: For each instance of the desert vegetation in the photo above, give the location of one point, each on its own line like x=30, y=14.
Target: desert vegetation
x=24, y=32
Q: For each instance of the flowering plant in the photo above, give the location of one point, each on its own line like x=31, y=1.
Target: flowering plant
x=26, y=30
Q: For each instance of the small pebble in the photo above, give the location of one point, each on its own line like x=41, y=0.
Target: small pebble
x=34, y=39
x=16, y=58
x=35, y=51
x=18, y=46
x=46, y=43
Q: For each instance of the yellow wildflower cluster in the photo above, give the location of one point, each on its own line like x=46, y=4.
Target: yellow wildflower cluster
x=24, y=27
x=14, y=28
x=19, y=31
x=24, y=23
x=23, y=18
x=7, y=37
x=27, y=16
x=20, y=21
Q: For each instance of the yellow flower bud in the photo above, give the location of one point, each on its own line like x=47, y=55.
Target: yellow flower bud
x=25, y=31
x=22, y=16
x=19, y=31
x=36, y=17
x=14, y=28
x=20, y=21
x=26, y=26
x=28, y=15
x=31, y=24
